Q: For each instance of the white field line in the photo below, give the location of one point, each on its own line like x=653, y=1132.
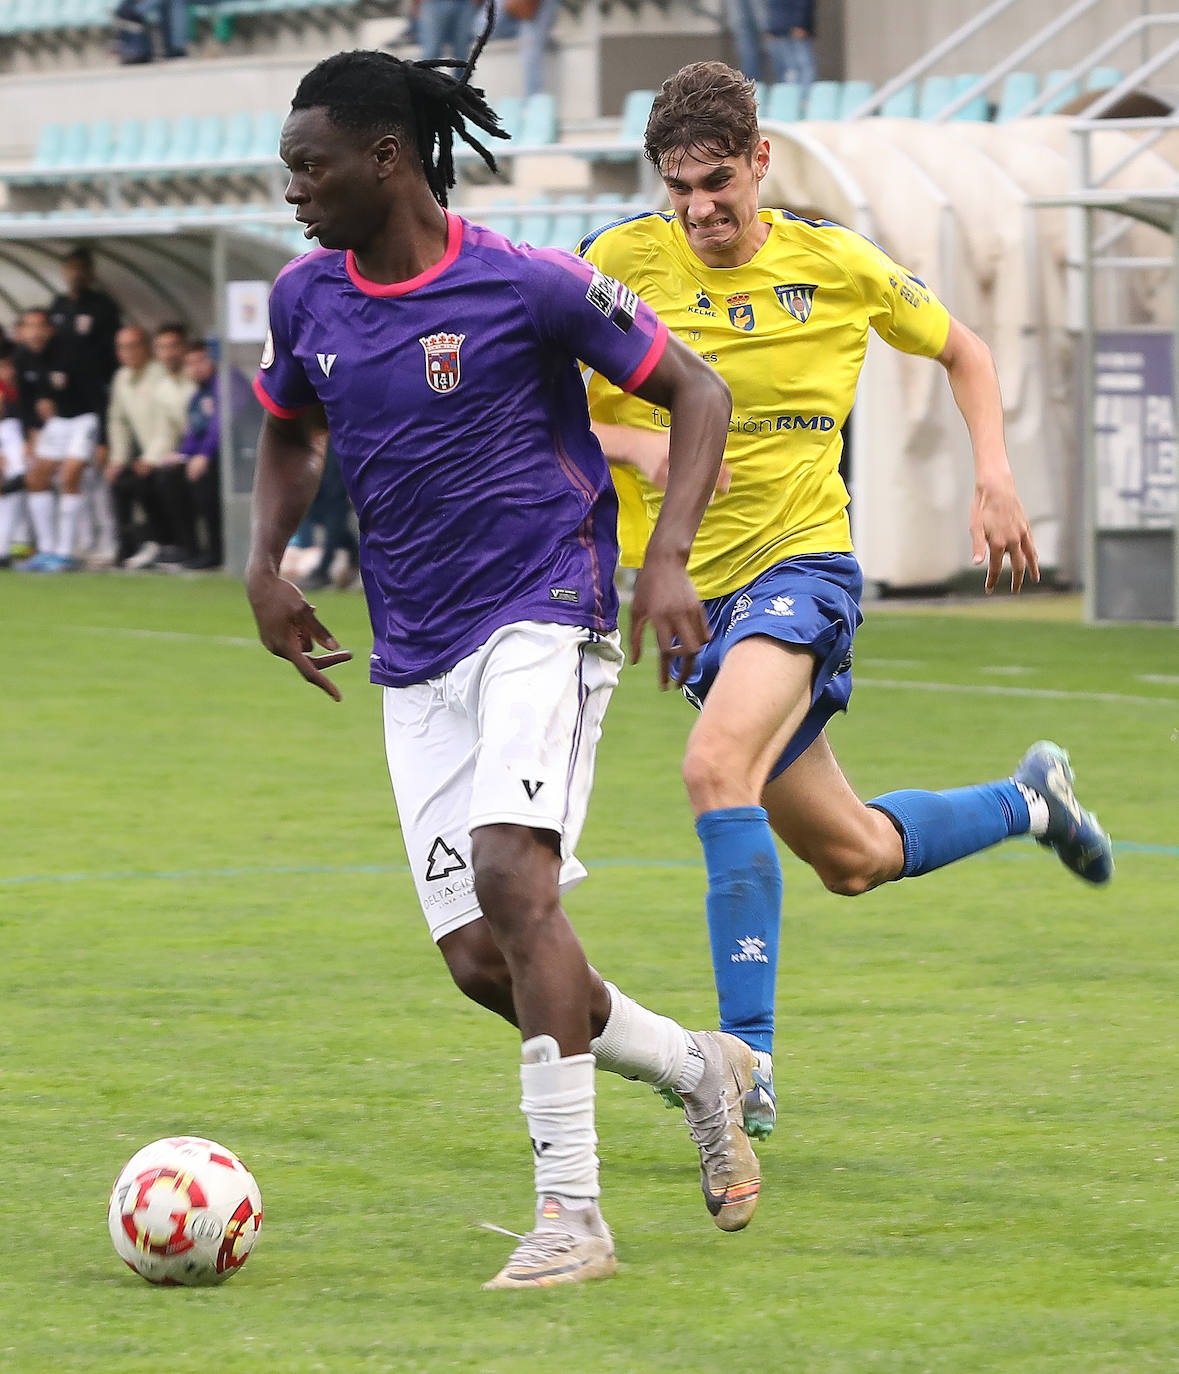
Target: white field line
x=893, y=684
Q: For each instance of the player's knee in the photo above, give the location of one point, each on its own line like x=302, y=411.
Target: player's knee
x=478, y=969
x=846, y=880
x=710, y=777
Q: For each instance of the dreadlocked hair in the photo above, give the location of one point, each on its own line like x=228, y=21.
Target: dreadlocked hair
x=374, y=93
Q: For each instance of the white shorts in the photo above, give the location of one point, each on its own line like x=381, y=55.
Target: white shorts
x=12, y=447
x=508, y=735
x=63, y=440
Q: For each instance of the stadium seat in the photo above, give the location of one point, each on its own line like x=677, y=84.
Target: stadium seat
x=977, y=107
x=1067, y=93
x=822, y=101
x=49, y=141
x=128, y=142
x=75, y=137
x=239, y=137
x=785, y=102
x=267, y=128
x=100, y=146
x=157, y=136
x=570, y=226
x=853, y=95
x=636, y=109
x=936, y=94
x=1103, y=78
x=510, y=110
x=538, y=124
x=536, y=221
x=901, y=104
x=1019, y=90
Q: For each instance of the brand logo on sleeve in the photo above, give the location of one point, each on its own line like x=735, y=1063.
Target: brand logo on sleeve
x=267, y=351
x=617, y=302
x=798, y=298
x=443, y=370
x=326, y=362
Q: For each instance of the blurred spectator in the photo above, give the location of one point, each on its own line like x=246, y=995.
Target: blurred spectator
x=446, y=28
x=198, y=517
x=745, y=24
x=537, y=20
x=89, y=319
x=173, y=392
x=137, y=20
x=61, y=435
x=790, y=37
x=12, y=457
x=131, y=431
x=331, y=511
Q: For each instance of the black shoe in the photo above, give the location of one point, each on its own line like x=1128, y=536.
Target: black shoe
x=171, y=555
x=202, y=562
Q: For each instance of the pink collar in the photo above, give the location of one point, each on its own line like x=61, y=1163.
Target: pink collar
x=454, y=241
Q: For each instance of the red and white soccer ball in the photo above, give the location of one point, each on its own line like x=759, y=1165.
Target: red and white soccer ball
x=185, y=1211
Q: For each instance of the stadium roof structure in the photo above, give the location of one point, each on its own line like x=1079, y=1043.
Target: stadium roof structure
x=162, y=268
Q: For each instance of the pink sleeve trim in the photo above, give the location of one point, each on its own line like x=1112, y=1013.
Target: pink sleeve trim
x=273, y=406
x=650, y=359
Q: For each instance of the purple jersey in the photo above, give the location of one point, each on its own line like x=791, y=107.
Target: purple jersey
x=457, y=409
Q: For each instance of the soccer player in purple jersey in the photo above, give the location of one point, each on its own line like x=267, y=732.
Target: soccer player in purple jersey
x=442, y=359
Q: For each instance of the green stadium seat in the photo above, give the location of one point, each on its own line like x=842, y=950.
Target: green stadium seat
x=785, y=102
x=569, y=226
x=239, y=137
x=128, y=142
x=636, y=110
x=853, y=95
x=1062, y=97
x=48, y=150
x=936, y=94
x=100, y=146
x=267, y=128
x=1103, y=78
x=822, y=101
x=510, y=110
x=210, y=139
x=157, y=136
x=901, y=104
x=1019, y=90
x=536, y=221
x=538, y=126
x=977, y=107
x=183, y=142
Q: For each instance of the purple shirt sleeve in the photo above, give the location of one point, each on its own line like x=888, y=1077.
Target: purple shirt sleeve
x=281, y=384
x=596, y=318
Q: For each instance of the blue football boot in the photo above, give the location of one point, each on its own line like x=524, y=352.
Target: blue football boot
x=1076, y=835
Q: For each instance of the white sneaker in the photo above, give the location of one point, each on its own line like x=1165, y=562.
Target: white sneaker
x=146, y=556
x=567, y=1245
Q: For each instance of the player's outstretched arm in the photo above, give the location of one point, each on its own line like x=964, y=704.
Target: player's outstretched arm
x=699, y=402
x=998, y=526
x=290, y=462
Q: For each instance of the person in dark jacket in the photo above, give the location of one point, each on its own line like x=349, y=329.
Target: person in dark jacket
x=790, y=37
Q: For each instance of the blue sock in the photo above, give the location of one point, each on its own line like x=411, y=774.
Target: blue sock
x=744, y=916
x=939, y=827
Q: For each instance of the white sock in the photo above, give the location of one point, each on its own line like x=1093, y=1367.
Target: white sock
x=557, y=1098
x=641, y=1044
x=41, y=505
x=69, y=511
x=9, y=507
x=102, y=512
x=1037, y=809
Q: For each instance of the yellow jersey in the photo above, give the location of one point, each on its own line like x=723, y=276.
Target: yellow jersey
x=787, y=331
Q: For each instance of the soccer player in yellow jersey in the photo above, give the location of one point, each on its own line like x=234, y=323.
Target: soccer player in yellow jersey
x=781, y=307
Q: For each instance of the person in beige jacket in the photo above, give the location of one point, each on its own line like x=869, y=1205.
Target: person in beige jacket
x=149, y=401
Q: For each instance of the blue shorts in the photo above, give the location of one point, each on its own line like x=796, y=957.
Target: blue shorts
x=813, y=600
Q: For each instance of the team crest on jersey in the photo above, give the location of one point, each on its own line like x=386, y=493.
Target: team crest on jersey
x=443, y=371
x=740, y=311
x=798, y=298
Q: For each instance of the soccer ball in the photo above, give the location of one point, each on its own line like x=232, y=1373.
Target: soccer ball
x=184, y=1210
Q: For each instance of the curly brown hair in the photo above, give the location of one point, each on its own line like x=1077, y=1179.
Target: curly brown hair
x=705, y=105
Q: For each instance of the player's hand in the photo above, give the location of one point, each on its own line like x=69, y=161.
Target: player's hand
x=664, y=595
x=288, y=627
x=998, y=529
x=655, y=471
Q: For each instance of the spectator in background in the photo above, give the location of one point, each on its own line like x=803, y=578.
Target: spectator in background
x=446, y=27
x=135, y=21
x=536, y=25
x=790, y=36
x=331, y=511
x=61, y=435
x=198, y=516
x=89, y=319
x=12, y=457
x=173, y=392
x=745, y=24
x=131, y=425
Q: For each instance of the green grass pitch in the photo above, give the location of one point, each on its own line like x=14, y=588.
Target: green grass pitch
x=206, y=926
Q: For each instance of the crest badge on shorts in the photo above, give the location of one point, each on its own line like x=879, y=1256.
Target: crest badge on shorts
x=798, y=298
x=740, y=311
x=443, y=370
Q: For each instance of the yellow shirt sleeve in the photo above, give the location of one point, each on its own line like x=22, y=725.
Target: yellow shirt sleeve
x=901, y=308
